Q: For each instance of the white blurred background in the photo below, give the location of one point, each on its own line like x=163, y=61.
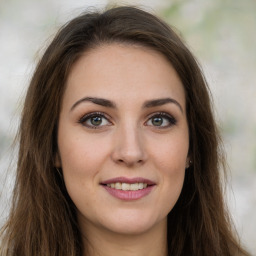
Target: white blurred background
x=221, y=33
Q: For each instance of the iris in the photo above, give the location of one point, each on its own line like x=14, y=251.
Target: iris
x=157, y=121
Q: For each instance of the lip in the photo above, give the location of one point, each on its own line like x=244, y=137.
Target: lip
x=128, y=180
x=128, y=195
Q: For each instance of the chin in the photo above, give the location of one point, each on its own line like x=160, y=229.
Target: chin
x=133, y=225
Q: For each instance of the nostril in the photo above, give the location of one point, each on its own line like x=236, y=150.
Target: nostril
x=128, y=156
x=130, y=161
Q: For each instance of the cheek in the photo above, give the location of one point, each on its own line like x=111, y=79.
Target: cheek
x=173, y=174
x=170, y=152
x=174, y=165
x=81, y=155
x=80, y=165
x=170, y=161
x=82, y=158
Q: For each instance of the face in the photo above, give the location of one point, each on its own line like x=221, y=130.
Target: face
x=123, y=138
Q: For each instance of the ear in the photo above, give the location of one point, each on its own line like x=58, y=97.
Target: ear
x=57, y=160
x=188, y=162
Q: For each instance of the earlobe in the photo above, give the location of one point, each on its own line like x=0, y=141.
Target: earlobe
x=188, y=162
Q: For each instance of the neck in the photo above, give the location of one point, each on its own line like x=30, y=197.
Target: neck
x=102, y=242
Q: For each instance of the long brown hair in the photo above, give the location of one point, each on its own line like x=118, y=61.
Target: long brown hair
x=43, y=220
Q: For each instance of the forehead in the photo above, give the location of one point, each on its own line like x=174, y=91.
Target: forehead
x=122, y=72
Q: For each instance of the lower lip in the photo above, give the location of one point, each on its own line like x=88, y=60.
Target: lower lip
x=129, y=195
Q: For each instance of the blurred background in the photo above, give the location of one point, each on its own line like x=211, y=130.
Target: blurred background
x=221, y=33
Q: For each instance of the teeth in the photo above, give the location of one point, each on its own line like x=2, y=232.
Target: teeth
x=127, y=186
x=118, y=185
x=140, y=185
x=134, y=186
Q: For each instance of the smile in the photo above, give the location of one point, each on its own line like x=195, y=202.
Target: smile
x=127, y=186
x=128, y=189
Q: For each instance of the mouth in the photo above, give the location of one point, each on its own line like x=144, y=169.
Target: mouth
x=127, y=186
x=128, y=189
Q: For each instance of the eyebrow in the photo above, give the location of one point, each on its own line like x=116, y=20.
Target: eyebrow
x=98, y=101
x=160, y=102
x=110, y=104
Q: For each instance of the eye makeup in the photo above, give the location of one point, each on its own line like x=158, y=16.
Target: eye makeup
x=98, y=120
x=95, y=120
x=161, y=120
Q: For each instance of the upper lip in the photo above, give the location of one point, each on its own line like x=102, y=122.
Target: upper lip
x=128, y=180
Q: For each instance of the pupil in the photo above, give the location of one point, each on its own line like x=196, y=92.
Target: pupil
x=96, y=120
x=157, y=121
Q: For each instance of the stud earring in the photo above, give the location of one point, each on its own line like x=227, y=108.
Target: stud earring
x=189, y=164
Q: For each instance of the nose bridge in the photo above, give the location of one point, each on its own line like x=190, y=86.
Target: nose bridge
x=129, y=144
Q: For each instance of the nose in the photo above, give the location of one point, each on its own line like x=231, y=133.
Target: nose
x=129, y=147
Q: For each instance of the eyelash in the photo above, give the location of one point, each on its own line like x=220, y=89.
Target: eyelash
x=87, y=117
x=171, y=120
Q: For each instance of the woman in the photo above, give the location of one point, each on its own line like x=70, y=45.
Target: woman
x=119, y=151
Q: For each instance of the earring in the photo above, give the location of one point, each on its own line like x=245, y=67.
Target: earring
x=189, y=164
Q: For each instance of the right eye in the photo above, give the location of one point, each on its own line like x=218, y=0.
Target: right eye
x=94, y=120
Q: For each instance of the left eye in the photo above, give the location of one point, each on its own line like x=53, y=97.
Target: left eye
x=161, y=120
x=94, y=120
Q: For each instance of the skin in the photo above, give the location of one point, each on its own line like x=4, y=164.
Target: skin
x=127, y=143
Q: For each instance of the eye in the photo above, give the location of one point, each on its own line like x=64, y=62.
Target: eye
x=161, y=120
x=95, y=120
